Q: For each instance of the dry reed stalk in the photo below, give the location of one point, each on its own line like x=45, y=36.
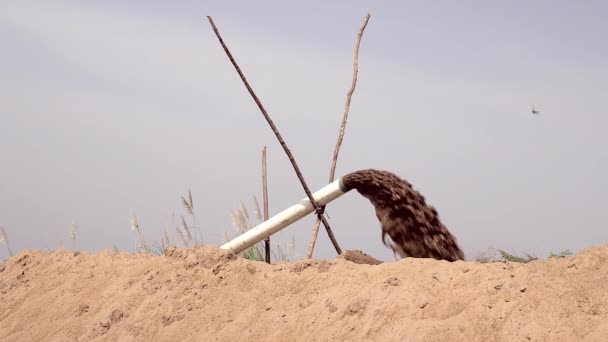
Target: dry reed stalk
x=166, y=237
x=142, y=246
x=279, y=137
x=291, y=246
x=244, y=217
x=186, y=229
x=180, y=233
x=4, y=240
x=244, y=210
x=74, y=234
x=182, y=236
x=238, y=221
x=241, y=223
x=189, y=205
x=315, y=231
x=265, y=194
x=258, y=212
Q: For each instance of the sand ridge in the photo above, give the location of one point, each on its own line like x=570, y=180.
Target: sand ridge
x=207, y=294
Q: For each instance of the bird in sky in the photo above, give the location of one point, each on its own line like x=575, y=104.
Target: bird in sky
x=535, y=111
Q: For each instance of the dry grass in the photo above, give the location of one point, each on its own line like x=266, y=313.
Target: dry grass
x=4, y=240
x=141, y=244
x=73, y=234
x=241, y=222
x=188, y=204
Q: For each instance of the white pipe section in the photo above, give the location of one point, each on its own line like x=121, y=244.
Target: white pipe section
x=283, y=219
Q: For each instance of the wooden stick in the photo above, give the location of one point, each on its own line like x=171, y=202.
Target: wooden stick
x=265, y=193
x=315, y=230
x=281, y=141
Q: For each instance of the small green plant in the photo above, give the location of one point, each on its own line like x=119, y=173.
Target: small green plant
x=527, y=258
x=514, y=258
x=562, y=254
x=254, y=252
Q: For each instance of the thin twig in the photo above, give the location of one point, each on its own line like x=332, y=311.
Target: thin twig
x=281, y=141
x=315, y=231
x=265, y=192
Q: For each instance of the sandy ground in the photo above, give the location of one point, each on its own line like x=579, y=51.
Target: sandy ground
x=206, y=294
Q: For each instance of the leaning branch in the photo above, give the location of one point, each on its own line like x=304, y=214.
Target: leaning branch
x=315, y=231
x=281, y=141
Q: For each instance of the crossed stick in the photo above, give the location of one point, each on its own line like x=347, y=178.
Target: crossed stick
x=318, y=209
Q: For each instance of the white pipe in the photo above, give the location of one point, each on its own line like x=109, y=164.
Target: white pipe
x=283, y=219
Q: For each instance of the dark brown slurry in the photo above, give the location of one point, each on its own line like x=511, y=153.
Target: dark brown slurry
x=413, y=226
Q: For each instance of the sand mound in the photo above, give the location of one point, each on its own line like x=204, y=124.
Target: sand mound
x=206, y=294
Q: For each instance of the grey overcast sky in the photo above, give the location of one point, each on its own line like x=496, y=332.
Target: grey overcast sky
x=115, y=106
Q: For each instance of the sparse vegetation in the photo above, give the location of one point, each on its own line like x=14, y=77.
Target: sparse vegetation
x=514, y=258
x=562, y=254
x=497, y=255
